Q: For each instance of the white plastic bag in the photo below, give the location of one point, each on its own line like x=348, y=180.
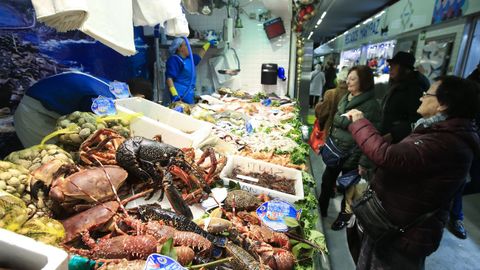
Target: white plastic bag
x=177, y=27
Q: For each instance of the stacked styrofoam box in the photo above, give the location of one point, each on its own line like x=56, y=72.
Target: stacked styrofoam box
x=253, y=165
x=20, y=252
x=177, y=129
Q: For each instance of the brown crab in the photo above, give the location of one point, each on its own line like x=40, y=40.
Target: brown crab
x=85, y=186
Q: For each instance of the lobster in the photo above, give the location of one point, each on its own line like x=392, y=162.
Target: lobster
x=155, y=212
x=144, y=158
x=118, y=247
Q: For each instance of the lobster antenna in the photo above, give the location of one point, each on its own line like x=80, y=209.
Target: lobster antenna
x=112, y=187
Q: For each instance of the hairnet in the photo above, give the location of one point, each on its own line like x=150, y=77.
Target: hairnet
x=175, y=44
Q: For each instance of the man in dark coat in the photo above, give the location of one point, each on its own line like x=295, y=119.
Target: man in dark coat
x=330, y=75
x=475, y=75
x=421, y=173
x=403, y=97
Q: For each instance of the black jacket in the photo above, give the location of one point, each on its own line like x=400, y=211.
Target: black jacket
x=399, y=106
x=474, y=76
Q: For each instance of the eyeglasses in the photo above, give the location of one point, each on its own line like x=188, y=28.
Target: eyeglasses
x=425, y=94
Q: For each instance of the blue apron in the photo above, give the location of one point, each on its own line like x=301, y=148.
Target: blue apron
x=184, y=84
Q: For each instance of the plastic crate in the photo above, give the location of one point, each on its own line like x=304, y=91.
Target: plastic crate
x=253, y=165
x=176, y=128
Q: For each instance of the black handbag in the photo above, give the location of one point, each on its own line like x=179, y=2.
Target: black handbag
x=375, y=221
x=332, y=155
x=348, y=179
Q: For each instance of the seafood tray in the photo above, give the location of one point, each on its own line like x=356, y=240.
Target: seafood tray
x=258, y=166
x=177, y=129
x=21, y=252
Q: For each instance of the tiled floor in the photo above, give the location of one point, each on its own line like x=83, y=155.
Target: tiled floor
x=453, y=253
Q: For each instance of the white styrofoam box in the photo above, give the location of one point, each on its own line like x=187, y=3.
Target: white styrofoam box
x=171, y=124
x=21, y=252
x=253, y=165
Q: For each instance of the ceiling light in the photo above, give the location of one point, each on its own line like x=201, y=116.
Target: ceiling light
x=357, y=26
x=323, y=15
x=380, y=14
x=319, y=21
x=367, y=21
x=309, y=36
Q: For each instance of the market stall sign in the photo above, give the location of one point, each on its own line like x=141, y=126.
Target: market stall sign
x=103, y=106
x=161, y=262
x=273, y=214
x=365, y=31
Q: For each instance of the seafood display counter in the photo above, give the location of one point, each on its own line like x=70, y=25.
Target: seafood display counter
x=222, y=188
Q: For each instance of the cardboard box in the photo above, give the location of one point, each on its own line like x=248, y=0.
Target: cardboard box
x=21, y=252
x=253, y=165
x=172, y=125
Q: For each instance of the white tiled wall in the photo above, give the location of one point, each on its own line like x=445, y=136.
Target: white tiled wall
x=251, y=44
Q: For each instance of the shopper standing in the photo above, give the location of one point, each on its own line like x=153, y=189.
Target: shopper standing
x=360, y=95
x=316, y=85
x=326, y=109
x=330, y=74
x=455, y=224
x=421, y=173
x=475, y=75
x=399, y=106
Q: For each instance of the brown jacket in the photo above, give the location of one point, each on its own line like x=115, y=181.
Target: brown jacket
x=326, y=109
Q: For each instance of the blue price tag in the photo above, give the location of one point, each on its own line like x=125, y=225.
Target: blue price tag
x=267, y=102
x=119, y=89
x=272, y=214
x=249, y=128
x=161, y=262
x=103, y=106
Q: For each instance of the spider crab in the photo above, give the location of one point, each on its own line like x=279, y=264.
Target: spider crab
x=155, y=161
x=101, y=147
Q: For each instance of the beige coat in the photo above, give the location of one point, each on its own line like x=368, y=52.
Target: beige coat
x=326, y=109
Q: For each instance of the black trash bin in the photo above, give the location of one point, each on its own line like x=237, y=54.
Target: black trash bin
x=269, y=74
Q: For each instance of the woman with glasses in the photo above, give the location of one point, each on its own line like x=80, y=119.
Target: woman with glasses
x=421, y=173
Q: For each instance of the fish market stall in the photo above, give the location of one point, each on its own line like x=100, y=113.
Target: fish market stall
x=113, y=196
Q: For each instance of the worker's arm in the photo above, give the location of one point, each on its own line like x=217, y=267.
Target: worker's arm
x=205, y=47
x=172, y=89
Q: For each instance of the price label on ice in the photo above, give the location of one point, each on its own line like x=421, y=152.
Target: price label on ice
x=272, y=214
x=161, y=262
x=103, y=106
x=119, y=89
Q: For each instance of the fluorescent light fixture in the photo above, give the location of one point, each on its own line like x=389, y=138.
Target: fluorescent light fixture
x=319, y=21
x=309, y=36
x=357, y=26
x=380, y=14
x=346, y=32
x=367, y=21
x=323, y=15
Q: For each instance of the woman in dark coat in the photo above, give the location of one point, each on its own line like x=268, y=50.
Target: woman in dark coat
x=360, y=84
x=421, y=173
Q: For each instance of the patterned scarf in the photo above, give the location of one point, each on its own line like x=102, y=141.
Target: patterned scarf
x=428, y=122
